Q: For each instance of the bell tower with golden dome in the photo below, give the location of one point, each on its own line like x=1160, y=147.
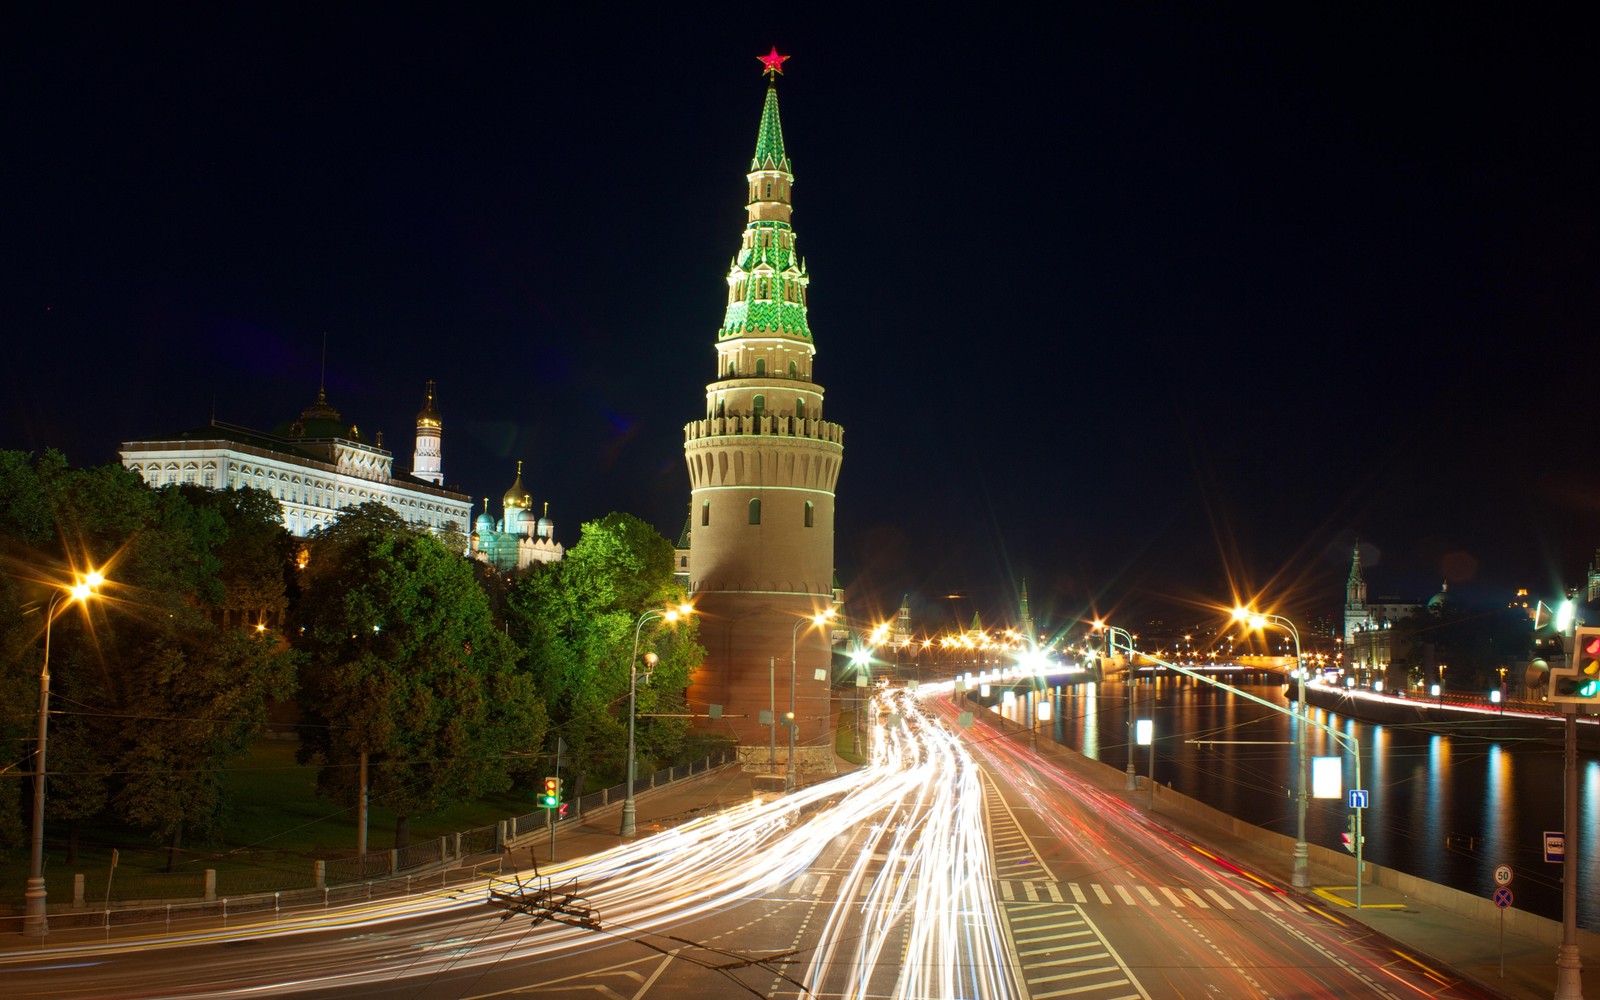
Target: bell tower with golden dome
x=427, y=460
x=763, y=464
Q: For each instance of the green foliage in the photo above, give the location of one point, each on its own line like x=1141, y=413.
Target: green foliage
x=404, y=663
x=151, y=693
x=576, y=621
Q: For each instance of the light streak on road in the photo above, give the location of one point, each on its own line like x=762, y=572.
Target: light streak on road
x=914, y=916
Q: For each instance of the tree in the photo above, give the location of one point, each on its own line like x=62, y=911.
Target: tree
x=404, y=664
x=153, y=695
x=575, y=620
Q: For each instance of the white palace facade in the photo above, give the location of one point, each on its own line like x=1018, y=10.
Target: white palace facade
x=314, y=466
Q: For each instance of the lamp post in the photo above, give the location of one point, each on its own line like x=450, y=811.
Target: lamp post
x=861, y=659
x=36, y=916
x=820, y=618
x=1112, y=633
x=1300, y=874
x=629, y=813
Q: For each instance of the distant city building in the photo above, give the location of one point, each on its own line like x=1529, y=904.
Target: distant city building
x=763, y=465
x=315, y=466
x=518, y=539
x=1369, y=644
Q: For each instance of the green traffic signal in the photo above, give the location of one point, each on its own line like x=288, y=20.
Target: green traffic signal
x=1580, y=681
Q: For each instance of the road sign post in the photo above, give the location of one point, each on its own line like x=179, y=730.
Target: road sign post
x=1502, y=899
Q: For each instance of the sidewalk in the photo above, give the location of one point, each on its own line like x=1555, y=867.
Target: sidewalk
x=655, y=809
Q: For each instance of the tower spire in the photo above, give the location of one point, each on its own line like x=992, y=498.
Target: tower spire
x=763, y=466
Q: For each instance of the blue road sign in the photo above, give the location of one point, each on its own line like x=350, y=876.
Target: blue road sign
x=1555, y=847
x=1502, y=897
x=1358, y=798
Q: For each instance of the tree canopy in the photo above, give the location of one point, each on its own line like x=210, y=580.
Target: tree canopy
x=153, y=693
x=576, y=620
x=404, y=663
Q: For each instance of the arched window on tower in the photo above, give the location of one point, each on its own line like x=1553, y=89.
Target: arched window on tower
x=731, y=369
x=800, y=409
x=811, y=514
x=794, y=370
x=705, y=513
x=760, y=406
x=761, y=367
x=755, y=511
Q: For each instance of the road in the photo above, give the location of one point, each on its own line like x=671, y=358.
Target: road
x=958, y=864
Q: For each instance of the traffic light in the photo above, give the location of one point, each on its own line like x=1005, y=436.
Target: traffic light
x=1349, y=837
x=1579, y=681
x=551, y=797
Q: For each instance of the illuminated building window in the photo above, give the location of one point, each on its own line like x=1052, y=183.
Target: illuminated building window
x=794, y=370
x=761, y=367
x=761, y=406
x=800, y=409
x=811, y=514
x=755, y=511
x=705, y=513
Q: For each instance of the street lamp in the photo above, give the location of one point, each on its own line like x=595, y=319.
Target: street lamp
x=1112, y=633
x=1300, y=875
x=36, y=916
x=819, y=619
x=668, y=615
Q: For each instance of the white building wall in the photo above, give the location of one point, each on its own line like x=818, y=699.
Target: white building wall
x=312, y=493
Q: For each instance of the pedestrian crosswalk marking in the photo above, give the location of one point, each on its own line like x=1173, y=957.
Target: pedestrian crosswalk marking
x=1243, y=899
x=1077, y=893
x=1214, y=894
x=1102, y=894
x=1149, y=897
x=1127, y=897
x=1196, y=897
x=1176, y=901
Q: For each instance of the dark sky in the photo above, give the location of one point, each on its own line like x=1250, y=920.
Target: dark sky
x=1143, y=302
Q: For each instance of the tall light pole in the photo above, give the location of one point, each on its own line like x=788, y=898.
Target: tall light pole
x=629, y=828
x=36, y=915
x=820, y=618
x=1300, y=874
x=1112, y=633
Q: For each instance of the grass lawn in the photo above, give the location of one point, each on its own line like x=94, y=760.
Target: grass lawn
x=844, y=740
x=275, y=826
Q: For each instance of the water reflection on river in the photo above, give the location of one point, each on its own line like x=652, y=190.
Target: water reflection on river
x=1446, y=808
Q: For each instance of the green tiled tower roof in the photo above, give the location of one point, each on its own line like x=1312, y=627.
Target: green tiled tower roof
x=769, y=141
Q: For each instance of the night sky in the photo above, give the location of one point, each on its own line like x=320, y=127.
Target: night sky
x=1146, y=304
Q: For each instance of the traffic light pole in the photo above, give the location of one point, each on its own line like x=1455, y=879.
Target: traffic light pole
x=554, y=813
x=1569, y=961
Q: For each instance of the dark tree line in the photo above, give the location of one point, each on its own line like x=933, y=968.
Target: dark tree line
x=383, y=636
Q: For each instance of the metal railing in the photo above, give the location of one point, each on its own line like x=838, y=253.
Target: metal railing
x=266, y=886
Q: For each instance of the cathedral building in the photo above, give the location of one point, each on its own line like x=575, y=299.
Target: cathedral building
x=315, y=466
x=518, y=539
x=763, y=465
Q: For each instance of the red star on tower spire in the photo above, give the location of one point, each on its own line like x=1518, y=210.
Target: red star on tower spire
x=772, y=63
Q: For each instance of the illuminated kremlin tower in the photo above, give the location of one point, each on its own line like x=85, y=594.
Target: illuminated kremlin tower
x=762, y=467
